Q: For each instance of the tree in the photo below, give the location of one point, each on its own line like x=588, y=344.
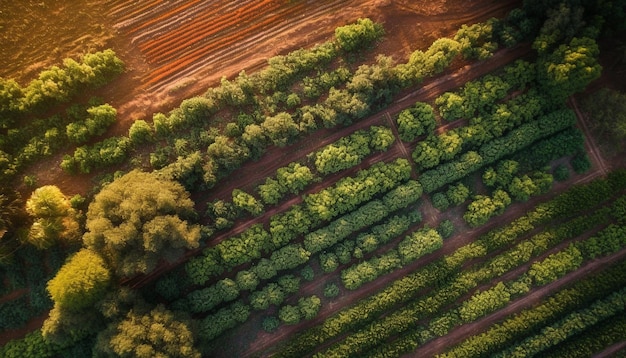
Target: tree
x=309, y=306
x=143, y=333
x=82, y=281
x=280, y=129
x=247, y=202
x=607, y=110
x=270, y=324
x=416, y=121
x=359, y=35
x=140, y=132
x=570, y=68
x=55, y=219
x=290, y=314
x=247, y=280
x=457, y=194
x=139, y=219
x=440, y=201
x=331, y=290
x=381, y=138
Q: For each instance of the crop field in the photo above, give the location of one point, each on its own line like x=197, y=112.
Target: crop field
x=316, y=179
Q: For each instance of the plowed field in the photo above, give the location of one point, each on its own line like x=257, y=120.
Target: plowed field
x=175, y=49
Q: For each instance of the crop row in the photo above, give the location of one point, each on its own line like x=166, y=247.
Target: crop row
x=549, y=269
x=568, y=204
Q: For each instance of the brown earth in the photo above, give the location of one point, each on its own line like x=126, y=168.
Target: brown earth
x=174, y=50
x=177, y=49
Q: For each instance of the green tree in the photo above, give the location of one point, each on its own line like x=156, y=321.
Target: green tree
x=82, y=281
x=607, y=110
x=457, y=194
x=280, y=129
x=331, y=290
x=139, y=219
x=570, y=68
x=359, y=35
x=290, y=314
x=416, y=121
x=247, y=202
x=147, y=333
x=55, y=219
x=270, y=324
x=309, y=306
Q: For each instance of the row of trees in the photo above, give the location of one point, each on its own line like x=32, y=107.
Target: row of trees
x=496, y=149
x=344, y=251
x=349, y=151
x=526, y=322
x=414, y=246
x=290, y=179
x=570, y=203
x=480, y=303
x=57, y=85
x=285, y=227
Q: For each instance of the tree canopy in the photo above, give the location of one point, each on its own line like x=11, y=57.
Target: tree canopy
x=81, y=281
x=137, y=220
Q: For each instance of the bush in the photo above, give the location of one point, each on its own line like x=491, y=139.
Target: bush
x=581, y=163
x=359, y=35
x=561, y=173
x=331, y=290
x=270, y=324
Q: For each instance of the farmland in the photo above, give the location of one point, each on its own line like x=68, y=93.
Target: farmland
x=345, y=189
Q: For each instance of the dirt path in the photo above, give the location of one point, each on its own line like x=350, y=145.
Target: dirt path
x=590, y=144
x=536, y=296
x=612, y=350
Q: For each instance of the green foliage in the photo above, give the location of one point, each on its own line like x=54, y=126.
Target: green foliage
x=143, y=333
x=561, y=173
x=359, y=35
x=54, y=218
x=581, y=163
x=309, y=306
x=247, y=280
x=270, y=324
x=247, y=202
x=98, y=121
x=381, y=138
x=440, y=201
x=607, y=111
x=58, y=85
x=307, y=273
x=290, y=314
x=226, y=318
x=343, y=154
x=419, y=244
x=484, y=302
x=522, y=188
x=568, y=326
x=140, y=132
x=349, y=192
x=457, y=194
x=280, y=129
x=482, y=208
x=137, y=220
x=446, y=229
x=82, y=281
x=328, y=261
x=331, y=290
x=416, y=121
x=476, y=41
x=570, y=68
x=110, y=151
